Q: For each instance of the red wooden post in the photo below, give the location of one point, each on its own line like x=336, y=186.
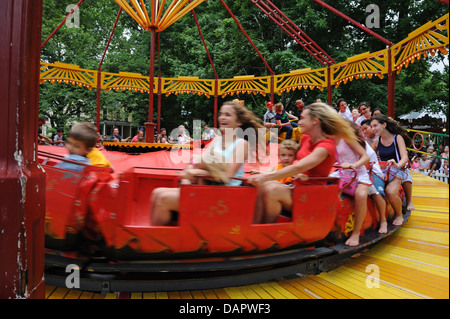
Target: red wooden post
x=61, y=23
x=216, y=101
x=158, y=121
x=99, y=70
x=329, y=86
x=22, y=180
x=150, y=126
x=391, y=86
x=272, y=88
x=97, y=113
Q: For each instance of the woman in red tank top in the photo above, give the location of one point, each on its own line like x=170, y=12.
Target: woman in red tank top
x=316, y=158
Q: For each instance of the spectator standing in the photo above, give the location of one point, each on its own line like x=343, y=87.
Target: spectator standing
x=58, y=138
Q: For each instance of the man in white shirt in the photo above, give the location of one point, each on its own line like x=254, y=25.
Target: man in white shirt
x=344, y=111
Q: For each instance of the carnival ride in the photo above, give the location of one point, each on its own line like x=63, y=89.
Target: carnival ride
x=422, y=42
x=99, y=220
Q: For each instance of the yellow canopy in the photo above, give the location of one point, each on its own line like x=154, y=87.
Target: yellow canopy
x=161, y=15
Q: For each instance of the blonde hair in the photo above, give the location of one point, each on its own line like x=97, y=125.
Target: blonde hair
x=289, y=145
x=331, y=122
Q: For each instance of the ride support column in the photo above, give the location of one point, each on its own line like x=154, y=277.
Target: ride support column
x=150, y=126
x=22, y=180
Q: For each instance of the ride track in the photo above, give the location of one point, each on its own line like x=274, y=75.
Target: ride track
x=105, y=276
x=413, y=264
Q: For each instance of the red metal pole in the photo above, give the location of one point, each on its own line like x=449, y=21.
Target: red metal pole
x=158, y=123
x=204, y=44
x=99, y=72
x=277, y=16
x=62, y=22
x=216, y=96
x=150, y=126
x=359, y=25
x=22, y=180
x=329, y=86
x=97, y=118
x=216, y=100
x=272, y=88
x=391, y=86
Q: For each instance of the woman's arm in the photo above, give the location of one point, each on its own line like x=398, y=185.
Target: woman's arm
x=317, y=156
x=358, y=149
x=282, y=124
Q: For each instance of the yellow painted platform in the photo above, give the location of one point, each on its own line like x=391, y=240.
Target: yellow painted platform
x=412, y=263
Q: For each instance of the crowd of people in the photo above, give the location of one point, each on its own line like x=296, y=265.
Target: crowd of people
x=424, y=163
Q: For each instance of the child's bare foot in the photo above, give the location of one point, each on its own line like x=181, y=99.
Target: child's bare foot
x=353, y=240
x=398, y=221
x=383, y=227
x=410, y=206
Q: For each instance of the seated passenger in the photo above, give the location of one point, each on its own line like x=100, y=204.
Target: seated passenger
x=353, y=155
x=376, y=191
x=81, y=140
x=234, y=119
x=316, y=158
x=391, y=145
x=96, y=156
x=282, y=117
x=287, y=151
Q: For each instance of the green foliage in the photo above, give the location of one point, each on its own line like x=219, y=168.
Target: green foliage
x=183, y=54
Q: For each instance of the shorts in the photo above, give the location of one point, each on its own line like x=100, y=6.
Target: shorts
x=377, y=187
x=396, y=172
x=408, y=177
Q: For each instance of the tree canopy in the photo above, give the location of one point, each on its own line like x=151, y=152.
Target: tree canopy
x=183, y=54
